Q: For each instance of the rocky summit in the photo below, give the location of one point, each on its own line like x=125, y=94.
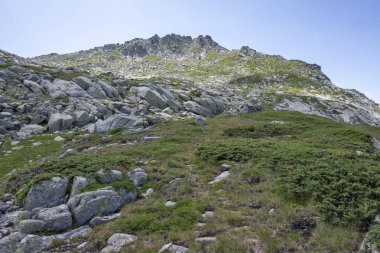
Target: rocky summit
x=177, y=144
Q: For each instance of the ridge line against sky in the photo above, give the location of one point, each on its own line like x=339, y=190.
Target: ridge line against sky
x=343, y=36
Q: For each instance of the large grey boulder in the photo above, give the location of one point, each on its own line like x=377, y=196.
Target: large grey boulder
x=71, y=89
x=9, y=244
x=86, y=205
x=34, y=243
x=83, y=82
x=215, y=104
x=58, y=122
x=82, y=118
x=33, y=86
x=61, y=88
x=53, y=91
x=57, y=218
x=32, y=129
x=121, y=121
x=152, y=96
x=172, y=99
x=108, y=89
x=31, y=226
x=47, y=193
x=96, y=91
x=196, y=108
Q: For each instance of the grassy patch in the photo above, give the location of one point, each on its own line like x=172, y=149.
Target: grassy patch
x=159, y=219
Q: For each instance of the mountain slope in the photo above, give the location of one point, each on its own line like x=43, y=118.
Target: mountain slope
x=204, y=63
x=293, y=183
x=177, y=144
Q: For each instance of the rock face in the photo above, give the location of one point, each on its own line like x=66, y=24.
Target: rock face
x=48, y=193
x=86, y=205
x=121, y=121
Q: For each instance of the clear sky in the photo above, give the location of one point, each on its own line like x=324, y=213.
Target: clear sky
x=343, y=36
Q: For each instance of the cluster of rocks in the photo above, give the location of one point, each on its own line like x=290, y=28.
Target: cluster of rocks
x=35, y=101
x=57, y=206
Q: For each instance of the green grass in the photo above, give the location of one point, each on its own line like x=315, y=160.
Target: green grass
x=307, y=167
x=161, y=219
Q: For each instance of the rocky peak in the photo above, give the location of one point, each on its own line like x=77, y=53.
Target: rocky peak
x=171, y=46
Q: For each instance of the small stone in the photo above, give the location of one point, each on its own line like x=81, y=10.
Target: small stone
x=100, y=220
x=200, y=121
x=82, y=246
x=208, y=214
x=225, y=167
x=279, y=122
x=221, y=177
x=148, y=193
x=117, y=241
x=205, y=239
x=254, y=205
x=138, y=176
x=68, y=152
x=172, y=248
x=272, y=211
x=150, y=138
x=59, y=138
x=170, y=203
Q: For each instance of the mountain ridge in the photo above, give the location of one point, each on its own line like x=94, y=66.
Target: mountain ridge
x=177, y=144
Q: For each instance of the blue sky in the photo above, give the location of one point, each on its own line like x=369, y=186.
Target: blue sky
x=343, y=36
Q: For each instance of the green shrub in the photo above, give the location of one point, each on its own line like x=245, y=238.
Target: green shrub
x=234, y=149
x=263, y=130
x=374, y=235
x=160, y=219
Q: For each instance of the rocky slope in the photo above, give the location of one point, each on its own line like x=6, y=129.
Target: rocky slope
x=142, y=82
x=177, y=144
